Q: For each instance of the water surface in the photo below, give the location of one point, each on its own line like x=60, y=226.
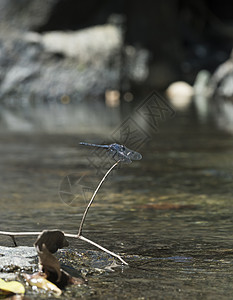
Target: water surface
x=169, y=215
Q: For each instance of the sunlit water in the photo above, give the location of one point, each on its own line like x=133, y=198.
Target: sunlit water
x=169, y=215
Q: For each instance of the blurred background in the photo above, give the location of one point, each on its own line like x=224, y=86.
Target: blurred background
x=73, y=66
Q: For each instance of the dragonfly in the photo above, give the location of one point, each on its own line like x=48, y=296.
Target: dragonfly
x=118, y=152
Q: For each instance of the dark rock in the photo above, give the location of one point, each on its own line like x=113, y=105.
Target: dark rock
x=24, y=14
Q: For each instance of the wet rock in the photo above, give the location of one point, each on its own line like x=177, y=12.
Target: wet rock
x=14, y=258
x=221, y=94
x=201, y=100
x=221, y=81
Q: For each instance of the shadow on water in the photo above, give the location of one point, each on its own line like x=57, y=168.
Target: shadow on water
x=170, y=215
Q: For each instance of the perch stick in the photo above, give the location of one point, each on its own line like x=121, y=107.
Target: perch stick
x=103, y=249
x=93, y=197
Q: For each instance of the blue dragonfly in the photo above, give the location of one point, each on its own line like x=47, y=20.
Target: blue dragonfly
x=118, y=152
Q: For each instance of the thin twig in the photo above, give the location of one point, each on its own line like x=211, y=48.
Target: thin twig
x=20, y=233
x=14, y=241
x=103, y=249
x=93, y=197
x=28, y=233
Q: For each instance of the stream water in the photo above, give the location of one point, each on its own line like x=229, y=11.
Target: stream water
x=169, y=215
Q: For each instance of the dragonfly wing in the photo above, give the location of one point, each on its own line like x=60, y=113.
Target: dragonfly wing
x=124, y=157
x=136, y=156
x=133, y=155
